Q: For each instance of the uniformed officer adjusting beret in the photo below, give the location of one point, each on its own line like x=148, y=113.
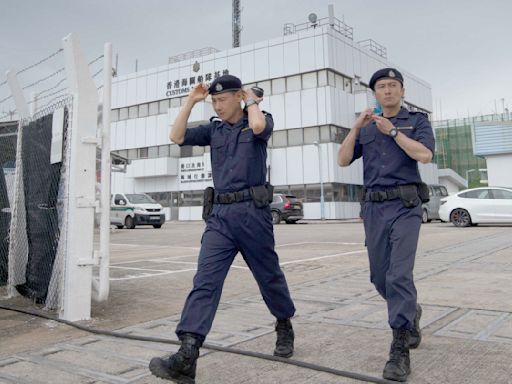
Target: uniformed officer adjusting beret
x=386, y=73
x=225, y=83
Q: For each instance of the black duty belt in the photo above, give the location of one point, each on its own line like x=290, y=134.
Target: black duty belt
x=380, y=196
x=232, y=197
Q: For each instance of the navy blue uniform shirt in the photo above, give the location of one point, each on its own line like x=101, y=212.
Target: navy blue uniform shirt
x=239, y=157
x=385, y=163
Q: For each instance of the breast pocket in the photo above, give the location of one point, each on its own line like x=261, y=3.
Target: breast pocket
x=218, y=148
x=366, y=139
x=246, y=145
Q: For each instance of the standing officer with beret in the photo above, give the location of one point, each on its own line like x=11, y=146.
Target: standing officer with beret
x=391, y=145
x=238, y=220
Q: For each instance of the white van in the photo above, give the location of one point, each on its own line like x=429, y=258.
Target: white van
x=131, y=209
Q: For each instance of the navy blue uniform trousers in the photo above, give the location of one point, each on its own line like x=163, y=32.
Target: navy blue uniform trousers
x=233, y=228
x=392, y=232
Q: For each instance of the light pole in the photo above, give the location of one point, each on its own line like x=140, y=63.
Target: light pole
x=322, y=202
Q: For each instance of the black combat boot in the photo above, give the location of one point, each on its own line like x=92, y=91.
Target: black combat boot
x=285, y=337
x=398, y=366
x=415, y=337
x=180, y=367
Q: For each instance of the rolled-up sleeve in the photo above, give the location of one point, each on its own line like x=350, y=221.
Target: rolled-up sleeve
x=424, y=134
x=269, y=127
x=358, y=150
x=200, y=135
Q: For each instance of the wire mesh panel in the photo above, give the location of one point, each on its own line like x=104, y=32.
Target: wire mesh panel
x=40, y=206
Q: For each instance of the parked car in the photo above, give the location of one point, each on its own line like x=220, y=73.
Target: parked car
x=132, y=209
x=287, y=208
x=431, y=209
x=478, y=205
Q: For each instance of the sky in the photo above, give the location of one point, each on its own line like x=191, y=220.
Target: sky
x=463, y=49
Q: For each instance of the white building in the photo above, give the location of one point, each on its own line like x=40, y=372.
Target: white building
x=315, y=80
x=493, y=140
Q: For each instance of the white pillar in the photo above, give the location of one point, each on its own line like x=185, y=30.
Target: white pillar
x=101, y=287
x=82, y=180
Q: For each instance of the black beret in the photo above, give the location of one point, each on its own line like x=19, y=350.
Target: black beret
x=225, y=83
x=386, y=73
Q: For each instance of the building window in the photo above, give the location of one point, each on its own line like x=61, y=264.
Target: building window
x=311, y=135
x=186, y=151
x=192, y=199
x=279, y=139
x=339, y=81
x=153, y=108
x=295, y=136
x=143, y=110
x=175, y=150
x=312, y=193
x=293, y=83
x=297, y=191
x=132, y=154
x=347, y=84
x=278, y=86
x=164, y=106
x=152, y=152
x=322, y=78
x=163, y=151
x=133, y=112
x=325, y=134
x=331, y=78
x=266, y=86
x=309, y=80
x=114, y=115
x=123, y=114
x=175, y=103
x=143, y=153
x=197, y=151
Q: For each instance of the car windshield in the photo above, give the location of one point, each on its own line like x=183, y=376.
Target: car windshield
x=140, y=199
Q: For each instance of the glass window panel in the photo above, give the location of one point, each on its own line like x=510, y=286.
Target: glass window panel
x=143, y=110
x=278, y=86
x=293, y=83
x=297, y=191
x=309, y=80
x=114, y=115
x=311, y=134
x=279, y=139
x=153, y=108
x=295, y=136
x=132, y=154
x=163, y=106
x=152, y=152
x=123, y=114
x=331, y=78
x=175, y=150
x=322, y=78
x=339, y=82
x=325, y=134
x=143, y=153
x=175, y=102
x=163, y=151
x=133, y=112
x=266, y=85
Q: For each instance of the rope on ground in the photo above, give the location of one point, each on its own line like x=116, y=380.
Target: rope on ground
x=258, y=355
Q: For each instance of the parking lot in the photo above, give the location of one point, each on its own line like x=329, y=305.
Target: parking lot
x=462, y=275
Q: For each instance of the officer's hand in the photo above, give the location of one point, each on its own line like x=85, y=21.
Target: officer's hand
x=364, y=118
x=198, y=93
x=383, y=124
x=248, y=93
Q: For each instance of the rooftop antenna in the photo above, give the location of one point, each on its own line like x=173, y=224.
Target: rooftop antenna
x=237, y=24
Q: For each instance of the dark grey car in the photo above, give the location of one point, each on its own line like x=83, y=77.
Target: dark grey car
x=287, y=208
x=431, y=209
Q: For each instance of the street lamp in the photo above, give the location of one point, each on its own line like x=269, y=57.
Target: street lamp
x=322, y=202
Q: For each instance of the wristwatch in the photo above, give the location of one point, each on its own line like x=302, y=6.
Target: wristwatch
x=393, y=132
x=250, y=102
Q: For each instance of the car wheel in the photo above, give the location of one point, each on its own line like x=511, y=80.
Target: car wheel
x=424, y=217
x=157, y=225
x=276, y=217
x=129, y=222
x=460, y=218
x=120, y=226
x=291, y=221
